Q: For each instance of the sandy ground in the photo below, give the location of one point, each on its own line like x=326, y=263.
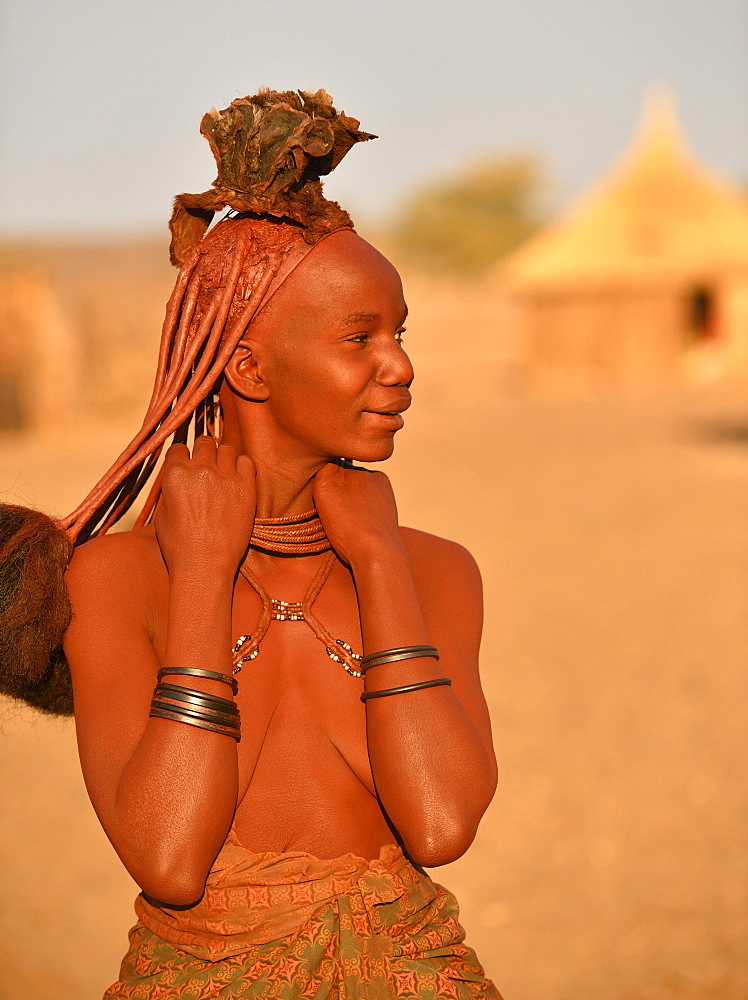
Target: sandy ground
x=613, y=537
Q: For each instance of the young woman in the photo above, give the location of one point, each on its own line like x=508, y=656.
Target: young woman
x=277, y=699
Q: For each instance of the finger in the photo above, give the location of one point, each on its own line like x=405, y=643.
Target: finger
x=176, y=453
x=328, y=469
x=204, y=450
x=226, y=457
x=246, y=468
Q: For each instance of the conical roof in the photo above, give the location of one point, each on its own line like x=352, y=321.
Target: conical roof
x=658, y=215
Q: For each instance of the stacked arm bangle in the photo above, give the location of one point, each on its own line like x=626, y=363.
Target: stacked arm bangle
x=193, y=707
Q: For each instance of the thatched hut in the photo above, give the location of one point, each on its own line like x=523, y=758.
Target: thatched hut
x=644, y=282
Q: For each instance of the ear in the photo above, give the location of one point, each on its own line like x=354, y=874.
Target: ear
x=243, y=371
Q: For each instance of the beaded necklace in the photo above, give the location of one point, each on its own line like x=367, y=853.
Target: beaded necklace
x=292, y=536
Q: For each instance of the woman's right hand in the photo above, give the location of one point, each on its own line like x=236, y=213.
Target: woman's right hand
x=205, y=517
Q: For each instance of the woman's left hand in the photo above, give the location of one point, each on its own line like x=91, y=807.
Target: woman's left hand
x=357, y=508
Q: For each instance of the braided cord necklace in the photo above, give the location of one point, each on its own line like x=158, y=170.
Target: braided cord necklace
x=293, y=536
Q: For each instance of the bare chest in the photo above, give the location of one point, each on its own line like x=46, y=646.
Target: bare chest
x=301, y=711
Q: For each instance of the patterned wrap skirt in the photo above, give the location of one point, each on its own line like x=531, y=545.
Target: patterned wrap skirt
x=290, y=925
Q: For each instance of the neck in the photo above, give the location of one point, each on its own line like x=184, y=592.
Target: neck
x=285, y=475
x=284, y=488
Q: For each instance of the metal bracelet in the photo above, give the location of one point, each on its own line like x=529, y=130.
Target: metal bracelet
x=394, y=657
x=211, y=675
x=213, y=719
x=194, y=697
x=209, y=714
x=406, y=687
x=396, y=650
x=175, y=716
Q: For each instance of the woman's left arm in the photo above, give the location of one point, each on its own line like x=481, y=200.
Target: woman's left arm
x=430, y=750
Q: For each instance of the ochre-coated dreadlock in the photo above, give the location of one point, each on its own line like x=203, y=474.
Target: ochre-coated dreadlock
x=271, y=150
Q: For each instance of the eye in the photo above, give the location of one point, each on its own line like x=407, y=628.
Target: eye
x=399, y=335
x=360, y=338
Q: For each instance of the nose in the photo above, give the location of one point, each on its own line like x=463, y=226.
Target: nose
x=395, y=367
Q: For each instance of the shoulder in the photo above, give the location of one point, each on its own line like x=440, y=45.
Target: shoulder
x=450, y=592
x=441, y=565
x=429, y=549
x=115, y=555
x=123, y=565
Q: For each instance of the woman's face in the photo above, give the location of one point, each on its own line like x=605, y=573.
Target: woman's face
x=324, y=358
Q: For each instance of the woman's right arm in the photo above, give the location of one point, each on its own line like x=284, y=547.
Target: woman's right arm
x=165, y=792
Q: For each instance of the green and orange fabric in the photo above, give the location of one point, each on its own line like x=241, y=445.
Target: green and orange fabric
x=291, y=925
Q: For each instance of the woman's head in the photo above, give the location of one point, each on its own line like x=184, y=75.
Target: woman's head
x=322, y=365
x=271, y=151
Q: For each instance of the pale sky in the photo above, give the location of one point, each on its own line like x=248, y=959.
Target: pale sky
x=100, y=100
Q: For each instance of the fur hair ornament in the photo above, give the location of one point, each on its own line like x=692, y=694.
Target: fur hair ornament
x=271, y=151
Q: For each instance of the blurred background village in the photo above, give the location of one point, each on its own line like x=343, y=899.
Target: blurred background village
x=580, y=423
x=640, y=286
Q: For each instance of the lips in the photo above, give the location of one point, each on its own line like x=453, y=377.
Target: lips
x=389, y=418
x=392, y=409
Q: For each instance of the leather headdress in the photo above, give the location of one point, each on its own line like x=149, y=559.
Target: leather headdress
x=271, y=150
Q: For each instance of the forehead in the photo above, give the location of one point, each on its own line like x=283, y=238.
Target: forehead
x=344, y=280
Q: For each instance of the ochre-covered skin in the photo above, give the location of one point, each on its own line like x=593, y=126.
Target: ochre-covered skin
x=316, y=770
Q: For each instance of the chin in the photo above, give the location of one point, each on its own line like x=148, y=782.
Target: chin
x=371, y=451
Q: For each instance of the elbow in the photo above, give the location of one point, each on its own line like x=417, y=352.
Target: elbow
x=169, y=870
x=442, y=847
x=442, y=842
x=177, y=886
x=446, y=836
x=174, y=892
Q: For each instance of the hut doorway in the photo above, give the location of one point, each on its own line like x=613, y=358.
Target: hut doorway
x=701, y=320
